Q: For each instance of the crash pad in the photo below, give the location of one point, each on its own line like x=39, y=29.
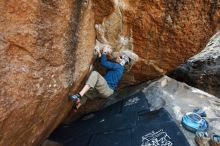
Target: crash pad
x=127, y=122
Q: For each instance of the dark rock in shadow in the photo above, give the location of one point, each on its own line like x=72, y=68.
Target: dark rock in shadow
x=202, y=70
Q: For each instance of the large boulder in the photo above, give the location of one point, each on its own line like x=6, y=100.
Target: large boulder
x=202, y=70
x=163, y=33
x=46, y=48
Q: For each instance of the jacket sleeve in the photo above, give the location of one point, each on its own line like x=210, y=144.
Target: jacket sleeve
x=107, y=64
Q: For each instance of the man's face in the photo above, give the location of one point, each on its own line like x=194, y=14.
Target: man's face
x=118, y=59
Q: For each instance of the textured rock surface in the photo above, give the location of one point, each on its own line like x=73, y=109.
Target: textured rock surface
x=163, y=33
x=203, y=70
x=43, y=53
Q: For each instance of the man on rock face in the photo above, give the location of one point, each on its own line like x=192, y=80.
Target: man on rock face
x=97, y=85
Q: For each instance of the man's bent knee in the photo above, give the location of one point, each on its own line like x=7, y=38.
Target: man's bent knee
x=107, y=93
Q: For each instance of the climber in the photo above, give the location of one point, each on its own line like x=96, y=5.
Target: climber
x=102, y=86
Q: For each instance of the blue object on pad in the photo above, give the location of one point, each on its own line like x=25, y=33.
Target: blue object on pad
x=194, y=122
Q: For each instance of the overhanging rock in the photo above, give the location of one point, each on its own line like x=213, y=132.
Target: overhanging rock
x=202, y=70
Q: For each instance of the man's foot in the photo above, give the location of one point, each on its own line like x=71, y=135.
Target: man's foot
x=75, y=98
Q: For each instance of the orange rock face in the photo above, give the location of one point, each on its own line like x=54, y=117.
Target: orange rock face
x=163, y=33
x=46, y=48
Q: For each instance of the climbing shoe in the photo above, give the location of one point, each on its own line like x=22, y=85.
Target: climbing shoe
x=75, y=98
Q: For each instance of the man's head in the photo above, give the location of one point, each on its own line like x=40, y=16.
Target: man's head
x=118, y=58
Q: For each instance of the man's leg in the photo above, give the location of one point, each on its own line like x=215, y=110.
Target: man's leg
x=101, y=86
x=98, y=82
x=95, y=81
x=77, y=98
x=84, y=89
x=91, y=82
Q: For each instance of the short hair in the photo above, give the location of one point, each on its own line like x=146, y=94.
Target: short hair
x=115, y=55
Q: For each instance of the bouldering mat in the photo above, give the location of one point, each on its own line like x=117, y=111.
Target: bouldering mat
x=125, y=123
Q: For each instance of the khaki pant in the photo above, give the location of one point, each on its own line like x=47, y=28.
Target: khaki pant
x=99, y=87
